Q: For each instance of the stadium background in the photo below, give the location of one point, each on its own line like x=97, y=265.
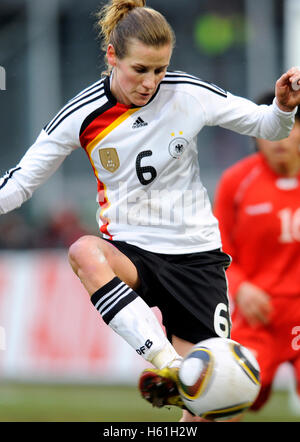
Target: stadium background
x=57, y=359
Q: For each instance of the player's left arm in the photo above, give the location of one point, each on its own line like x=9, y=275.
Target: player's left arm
x=273, y=122
x=287, y=90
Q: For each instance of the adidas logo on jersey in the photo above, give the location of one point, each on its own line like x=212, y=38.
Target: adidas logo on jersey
x=139, y=123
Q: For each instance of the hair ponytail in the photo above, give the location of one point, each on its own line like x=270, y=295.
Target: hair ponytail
x=122, y=20
x=110, y=15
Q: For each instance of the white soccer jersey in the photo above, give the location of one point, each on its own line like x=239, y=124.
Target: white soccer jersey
x=145, y=159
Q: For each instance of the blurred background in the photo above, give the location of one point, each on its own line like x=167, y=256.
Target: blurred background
x=49, y=51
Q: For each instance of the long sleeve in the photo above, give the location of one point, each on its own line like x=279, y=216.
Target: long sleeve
x=224, y=210
x=247, y=118
x=40, y=161
x=56, y=141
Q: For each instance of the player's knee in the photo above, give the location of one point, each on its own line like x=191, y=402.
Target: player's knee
x=76, y=251
x=84, y=251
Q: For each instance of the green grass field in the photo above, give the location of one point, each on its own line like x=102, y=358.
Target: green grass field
x=90, y=403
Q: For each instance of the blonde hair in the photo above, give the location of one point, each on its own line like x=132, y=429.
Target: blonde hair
x=122, y=20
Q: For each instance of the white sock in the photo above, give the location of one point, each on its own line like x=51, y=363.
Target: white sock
x=130, y=317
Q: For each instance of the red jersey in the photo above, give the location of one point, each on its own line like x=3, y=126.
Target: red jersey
x=259, y=219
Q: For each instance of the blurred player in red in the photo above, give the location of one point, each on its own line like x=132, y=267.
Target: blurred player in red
x=257, y=204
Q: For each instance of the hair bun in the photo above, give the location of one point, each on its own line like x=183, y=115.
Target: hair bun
x=128, y=5
x=120, y=8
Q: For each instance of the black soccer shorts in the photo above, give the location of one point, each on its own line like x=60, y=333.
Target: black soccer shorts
x=190, y=290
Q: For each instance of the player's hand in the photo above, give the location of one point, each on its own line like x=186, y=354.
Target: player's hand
x=287, y=97
x=254, y=304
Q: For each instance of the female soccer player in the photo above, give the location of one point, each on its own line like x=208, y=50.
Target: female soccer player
x=258, y=206
x=160, y=242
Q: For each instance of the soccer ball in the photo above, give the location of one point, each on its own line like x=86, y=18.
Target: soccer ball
x=219, y=379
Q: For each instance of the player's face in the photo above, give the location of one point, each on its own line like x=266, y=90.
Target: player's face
x=136, y=77
x=284, y=152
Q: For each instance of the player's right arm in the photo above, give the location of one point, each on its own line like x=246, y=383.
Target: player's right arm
x=40, y=161
x=55, y=142
x=253, y=302
x=225, y=211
